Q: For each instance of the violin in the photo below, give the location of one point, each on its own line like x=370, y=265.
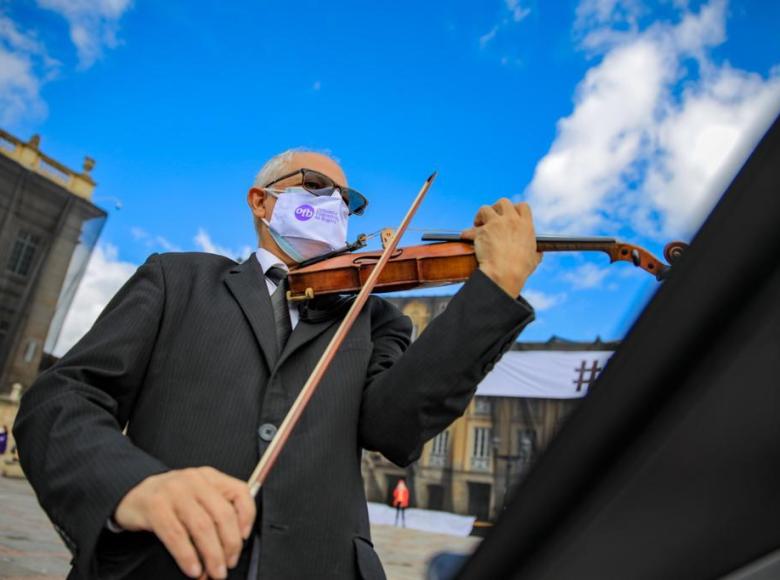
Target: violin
x=448, y=260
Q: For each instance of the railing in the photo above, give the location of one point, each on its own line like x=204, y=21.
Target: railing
x=6, y=144
x=480, y=463
x=29, y=155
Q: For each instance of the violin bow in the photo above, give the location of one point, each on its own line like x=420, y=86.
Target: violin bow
x=616, y=250
x=267, y=461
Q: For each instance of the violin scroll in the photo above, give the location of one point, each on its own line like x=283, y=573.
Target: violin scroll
x=673, y=251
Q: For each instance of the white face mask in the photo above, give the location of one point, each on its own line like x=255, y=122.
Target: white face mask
x=305, y=225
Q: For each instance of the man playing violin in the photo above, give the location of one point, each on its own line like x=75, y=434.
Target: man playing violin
x=198, y=359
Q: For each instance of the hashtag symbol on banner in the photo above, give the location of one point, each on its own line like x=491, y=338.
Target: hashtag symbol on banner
x=581, y=381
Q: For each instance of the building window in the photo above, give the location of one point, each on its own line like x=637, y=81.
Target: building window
x=23, y=253
x=439, y=448
x=30, y=350
x=481, y=406
x=480, y=454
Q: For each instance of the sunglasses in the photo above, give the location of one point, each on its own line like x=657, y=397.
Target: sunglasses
x=318, y=183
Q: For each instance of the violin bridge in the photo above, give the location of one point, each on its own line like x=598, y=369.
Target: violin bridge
x=386, y=235
x=308, y=294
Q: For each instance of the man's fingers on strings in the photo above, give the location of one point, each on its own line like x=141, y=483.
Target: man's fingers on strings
x=504, y=207
x=167, y=527
x=469, y=233
x=484, y=215
x=524, y=210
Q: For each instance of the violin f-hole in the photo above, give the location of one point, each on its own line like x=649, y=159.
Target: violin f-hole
x=361, y=260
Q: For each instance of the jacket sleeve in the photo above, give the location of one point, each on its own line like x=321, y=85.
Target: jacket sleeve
x=69, y=426
x=413, y=394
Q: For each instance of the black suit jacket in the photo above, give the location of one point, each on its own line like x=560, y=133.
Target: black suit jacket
x=185, y=357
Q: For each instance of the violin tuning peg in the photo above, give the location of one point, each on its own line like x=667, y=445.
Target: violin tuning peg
x=635, y=257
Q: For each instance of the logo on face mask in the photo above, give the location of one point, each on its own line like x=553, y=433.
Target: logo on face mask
x=304, y=212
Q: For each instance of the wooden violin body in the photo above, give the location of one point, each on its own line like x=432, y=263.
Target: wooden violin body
x=447, y=262
x=409, y=267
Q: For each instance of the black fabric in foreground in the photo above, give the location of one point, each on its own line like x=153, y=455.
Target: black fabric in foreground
x=671, y=466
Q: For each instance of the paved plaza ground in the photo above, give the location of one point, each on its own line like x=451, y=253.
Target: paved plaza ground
x=31, y=550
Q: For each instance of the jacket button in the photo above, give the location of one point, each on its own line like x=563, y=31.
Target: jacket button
x=267, y=431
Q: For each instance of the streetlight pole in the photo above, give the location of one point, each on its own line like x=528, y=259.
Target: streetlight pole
x=510, y=461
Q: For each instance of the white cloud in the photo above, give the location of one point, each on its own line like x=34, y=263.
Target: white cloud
x=649, y=143
x=105, y=274
x=516, y=10
x=513, y=13
x=703, y=143
x=166, y=245
x=595, y=14
x=24, y=66
x=93, y=24
x=138, y=233
x=488, y=36
x=152, y=241
x=204, y=242
x=588, y=275
x=598, y=141
x=541, y=300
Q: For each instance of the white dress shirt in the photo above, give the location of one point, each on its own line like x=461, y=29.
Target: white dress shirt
x=267, y=261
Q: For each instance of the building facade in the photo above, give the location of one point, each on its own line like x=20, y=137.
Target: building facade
x=472, y=467
x=48, y=227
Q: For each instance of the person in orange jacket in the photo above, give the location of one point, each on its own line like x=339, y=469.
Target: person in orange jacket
x=401, y=501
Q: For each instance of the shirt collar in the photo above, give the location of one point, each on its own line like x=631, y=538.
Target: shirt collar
x=268, y=260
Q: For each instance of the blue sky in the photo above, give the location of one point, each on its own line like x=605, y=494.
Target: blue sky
x=611, y=117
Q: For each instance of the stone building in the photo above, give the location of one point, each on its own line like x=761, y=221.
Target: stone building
x=48, y=228
x=472, y=467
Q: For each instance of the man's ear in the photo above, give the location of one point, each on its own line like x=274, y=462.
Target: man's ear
x=256, y=200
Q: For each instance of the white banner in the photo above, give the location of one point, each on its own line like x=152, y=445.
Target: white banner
x=425, y=520
x=545, y=374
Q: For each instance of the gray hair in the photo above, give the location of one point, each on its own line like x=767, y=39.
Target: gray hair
x=277, y=166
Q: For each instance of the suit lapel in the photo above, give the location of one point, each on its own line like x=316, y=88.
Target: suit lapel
x=247, y=284
x=316, y=318
x=304, y=332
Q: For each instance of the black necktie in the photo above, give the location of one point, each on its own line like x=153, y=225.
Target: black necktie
x=278, y=275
